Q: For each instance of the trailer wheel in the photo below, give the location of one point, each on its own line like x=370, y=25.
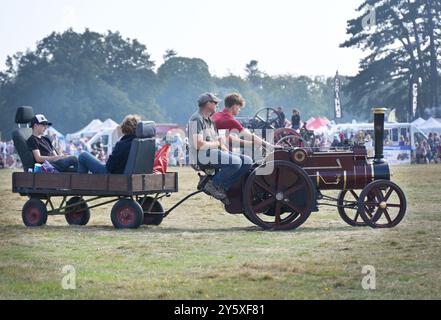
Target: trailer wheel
x=34, y=213
x=78, y=215
x=152, y=219
x=126, y=214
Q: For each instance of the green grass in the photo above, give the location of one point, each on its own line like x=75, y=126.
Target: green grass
x=201, y=252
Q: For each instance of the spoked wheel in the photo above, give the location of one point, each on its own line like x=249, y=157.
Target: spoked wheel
x=127, y=214
x=150, y=205
x=267, y=118
x=34, y=213
x=348, y=207
x=282, y=200
x=79, y=214
x=387, y=201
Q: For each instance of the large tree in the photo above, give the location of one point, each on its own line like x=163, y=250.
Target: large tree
x=182, y=81
x=403, y=48
x=74, y=77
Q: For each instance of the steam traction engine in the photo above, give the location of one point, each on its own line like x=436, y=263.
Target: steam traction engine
x=284, y=199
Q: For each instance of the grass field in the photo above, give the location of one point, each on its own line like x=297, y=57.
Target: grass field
x=200, y=252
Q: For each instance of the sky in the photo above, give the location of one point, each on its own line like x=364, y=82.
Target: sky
x=298, y=37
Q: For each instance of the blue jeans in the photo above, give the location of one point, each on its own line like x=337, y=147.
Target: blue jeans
x=231, y=168
x=87, y=162
x=68, y=164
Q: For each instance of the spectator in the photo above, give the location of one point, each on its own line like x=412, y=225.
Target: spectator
x=295, y=119
x=10, y=147
x=336, y=141
x=368, y=142
x=3, y=149
x=402, y=142
x=282, y=116
x=360, y=138
x=430, y=147
x=421, y=153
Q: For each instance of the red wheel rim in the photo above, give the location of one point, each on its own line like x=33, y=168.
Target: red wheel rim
x=126, y=216
x=33, y=215
x=77, y=215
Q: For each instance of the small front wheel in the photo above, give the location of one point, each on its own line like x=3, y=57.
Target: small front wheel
x=34, y=213
x=127, y=214
x=387, y=201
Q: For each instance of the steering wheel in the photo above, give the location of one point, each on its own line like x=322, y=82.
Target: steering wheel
x=267, y=118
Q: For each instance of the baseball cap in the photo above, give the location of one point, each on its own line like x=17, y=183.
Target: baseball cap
x=207, y=97
x=40, y=119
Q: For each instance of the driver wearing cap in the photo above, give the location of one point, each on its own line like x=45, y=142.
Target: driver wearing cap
x=43, y=150
x=208, y=149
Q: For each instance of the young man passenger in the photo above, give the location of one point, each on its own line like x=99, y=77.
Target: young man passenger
x=207, y=148
x=43, y=150
x=225, y=120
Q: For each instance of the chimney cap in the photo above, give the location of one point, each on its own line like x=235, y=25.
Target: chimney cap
x=379, y=110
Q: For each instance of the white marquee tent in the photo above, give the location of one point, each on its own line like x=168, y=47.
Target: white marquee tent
x=109, y=124
x=431, y=125
x=88, y=131
x=418, y=122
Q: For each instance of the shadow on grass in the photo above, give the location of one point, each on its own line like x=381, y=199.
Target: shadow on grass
x=160, y=230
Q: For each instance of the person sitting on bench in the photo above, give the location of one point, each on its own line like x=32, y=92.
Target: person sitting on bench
x=208, y=150
x=118, y=159
x=43, y=150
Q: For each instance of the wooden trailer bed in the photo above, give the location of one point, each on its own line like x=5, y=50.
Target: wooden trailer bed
x=74, y=184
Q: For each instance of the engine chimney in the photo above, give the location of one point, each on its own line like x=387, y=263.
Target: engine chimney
x=379, y=114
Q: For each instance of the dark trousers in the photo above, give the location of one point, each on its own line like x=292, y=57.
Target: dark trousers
x=68, y=164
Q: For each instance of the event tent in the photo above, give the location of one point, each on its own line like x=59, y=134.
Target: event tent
x=108, y=124
x=88, y=131
x=418, y=122
x=93, y=128
x=431, y=125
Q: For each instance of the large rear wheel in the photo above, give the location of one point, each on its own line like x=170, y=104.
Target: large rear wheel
x=281, y=200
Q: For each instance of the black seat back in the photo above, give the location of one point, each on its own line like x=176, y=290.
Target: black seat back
x=23, y=115
x=142, y=151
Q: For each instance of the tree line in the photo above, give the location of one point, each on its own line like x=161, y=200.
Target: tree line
x=75, y=77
